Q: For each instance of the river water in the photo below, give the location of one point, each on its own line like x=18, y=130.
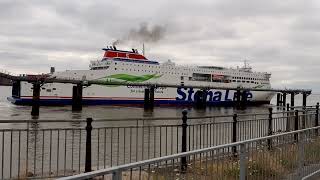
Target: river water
x=39, y=148
x=10, y=111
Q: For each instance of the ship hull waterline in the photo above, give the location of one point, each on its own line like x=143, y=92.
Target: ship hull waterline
x=135, y=97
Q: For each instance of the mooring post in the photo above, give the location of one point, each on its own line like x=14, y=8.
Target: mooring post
x=292, y=100
x=184, y=140
x=296, y=124
x=234, y=134
x=238, y=99
x=35, y=99
x=316, y=120
x=243, y=99
x=284, y=100
x=88, y=145
x=77, y=97
x=278, y=99
x=304, y=99
x=151, y=100
x=74, y=98
x=146, y=98
x=204, y=99
x=80, y=91
x=270, y=128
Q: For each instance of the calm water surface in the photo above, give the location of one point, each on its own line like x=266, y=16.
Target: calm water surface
x=37, y=155
x=10, y=111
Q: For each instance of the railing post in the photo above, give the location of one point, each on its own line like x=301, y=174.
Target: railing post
x=243, y=164
x=316, y=123
x=296, y=124
x=234, y=133
x=304, y=115
x=302, y=136
x=270, y=128
x=184, y=140
x=88, y=145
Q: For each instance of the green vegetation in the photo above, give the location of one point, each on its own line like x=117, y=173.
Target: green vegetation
x=262, y=163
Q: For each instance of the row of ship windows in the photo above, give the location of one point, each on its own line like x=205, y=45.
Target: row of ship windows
x=48, y=90
x=246, y=78
x=195, y=70
x=186, y=74
x=153, y=71
x=247, y=82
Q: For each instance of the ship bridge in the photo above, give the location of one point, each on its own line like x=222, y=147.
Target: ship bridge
x=112, y=53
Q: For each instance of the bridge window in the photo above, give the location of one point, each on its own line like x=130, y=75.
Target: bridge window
x=201, y=77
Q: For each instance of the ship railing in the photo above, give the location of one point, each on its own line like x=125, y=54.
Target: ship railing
x=53, y=148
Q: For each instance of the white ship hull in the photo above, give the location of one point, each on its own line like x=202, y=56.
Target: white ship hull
x=128, y=70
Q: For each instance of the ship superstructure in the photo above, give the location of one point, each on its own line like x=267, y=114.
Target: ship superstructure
x=130, y=66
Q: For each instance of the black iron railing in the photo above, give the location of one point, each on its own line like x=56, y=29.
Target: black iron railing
x=46, y=148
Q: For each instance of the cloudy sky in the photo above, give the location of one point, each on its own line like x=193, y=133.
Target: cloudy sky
x=277, y=36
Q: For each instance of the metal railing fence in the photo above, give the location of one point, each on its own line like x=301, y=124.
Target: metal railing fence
x=46, y=148
x=291, y=155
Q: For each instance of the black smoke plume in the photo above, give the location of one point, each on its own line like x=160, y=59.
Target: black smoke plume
x=144, y=33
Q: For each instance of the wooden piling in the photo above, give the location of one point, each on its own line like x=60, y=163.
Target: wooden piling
x=238, y=104
x=292, y=100
x=304, y=99
x=35, y=100
x=284, y=100
x=278, y=99
x=77, y=97
x=151, y=97
x=243, y=103
x=146, y=98
x=204, y=98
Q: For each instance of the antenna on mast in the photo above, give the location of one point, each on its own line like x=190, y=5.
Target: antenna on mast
x=143, y=49
x=247, y=67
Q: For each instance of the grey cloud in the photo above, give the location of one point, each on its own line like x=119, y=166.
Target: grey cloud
x=277, y=36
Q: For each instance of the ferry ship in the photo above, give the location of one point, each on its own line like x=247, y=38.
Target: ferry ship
x=130, y=66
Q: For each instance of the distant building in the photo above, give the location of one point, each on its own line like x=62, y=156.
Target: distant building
x=5, y=82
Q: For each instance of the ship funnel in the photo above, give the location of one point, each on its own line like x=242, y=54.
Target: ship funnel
x=52, y=70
